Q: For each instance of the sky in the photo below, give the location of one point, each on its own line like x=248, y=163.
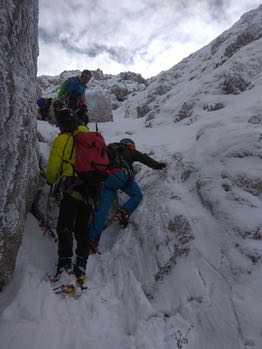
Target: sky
x=143, y=36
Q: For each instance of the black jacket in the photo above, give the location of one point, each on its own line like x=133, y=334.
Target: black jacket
x=123, y=157
x=132, y=155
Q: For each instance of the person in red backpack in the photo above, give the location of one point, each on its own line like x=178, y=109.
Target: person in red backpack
x=121, y=177
x=74, y=211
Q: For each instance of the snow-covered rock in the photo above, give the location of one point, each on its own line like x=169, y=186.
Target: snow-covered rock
x=19, y=51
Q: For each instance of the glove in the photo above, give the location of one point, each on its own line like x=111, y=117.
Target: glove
x=161, y=165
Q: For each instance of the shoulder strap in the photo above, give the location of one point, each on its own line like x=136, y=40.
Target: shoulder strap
x=69, y=161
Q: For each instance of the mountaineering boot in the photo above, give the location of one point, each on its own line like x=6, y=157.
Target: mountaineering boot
x=80, y=270
x=122, y=217
x=64, y=281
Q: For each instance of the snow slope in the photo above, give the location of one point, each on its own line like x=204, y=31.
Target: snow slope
x=186, y=272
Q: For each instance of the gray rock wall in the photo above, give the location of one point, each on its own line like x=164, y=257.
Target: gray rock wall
x=18, y=160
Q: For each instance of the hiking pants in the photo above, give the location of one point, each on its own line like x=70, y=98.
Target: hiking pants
x=73, y=218
x=118, y=181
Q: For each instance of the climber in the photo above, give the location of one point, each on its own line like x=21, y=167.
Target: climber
x=74, y=207
x=44, y=105
x=72, y=90
x=122, y=177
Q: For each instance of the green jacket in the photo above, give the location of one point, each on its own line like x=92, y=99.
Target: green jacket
x=72, y=87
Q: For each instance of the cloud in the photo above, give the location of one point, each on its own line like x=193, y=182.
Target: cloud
x=55, y=59
x=129, y=35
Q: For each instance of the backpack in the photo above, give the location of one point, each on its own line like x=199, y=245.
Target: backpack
x=91, y=159
x=115, y=152
x=41, y=102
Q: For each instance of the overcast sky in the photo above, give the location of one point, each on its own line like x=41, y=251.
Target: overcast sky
x=144, y=36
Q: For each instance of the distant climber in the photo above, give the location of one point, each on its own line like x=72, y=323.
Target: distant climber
x=72, y=90
x=44, y=105
x=122, y=177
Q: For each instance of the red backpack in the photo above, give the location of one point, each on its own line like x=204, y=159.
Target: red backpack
x=91, y=160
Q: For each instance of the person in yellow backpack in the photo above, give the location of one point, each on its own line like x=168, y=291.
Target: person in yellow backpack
x=74, y=211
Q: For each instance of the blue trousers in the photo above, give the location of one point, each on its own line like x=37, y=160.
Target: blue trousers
x=118, y=181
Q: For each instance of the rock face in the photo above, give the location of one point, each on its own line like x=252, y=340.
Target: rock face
x=18, y=161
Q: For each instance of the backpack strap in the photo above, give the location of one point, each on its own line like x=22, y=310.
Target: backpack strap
x=69, y=161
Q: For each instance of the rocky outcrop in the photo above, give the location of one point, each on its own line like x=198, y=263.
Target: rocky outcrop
x=132, y=76
x=241, y=40
x=18, y=161
x=120, y=92
x=186, y=111
x=234, y=84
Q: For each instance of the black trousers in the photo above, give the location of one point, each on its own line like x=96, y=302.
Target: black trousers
x=73, y=220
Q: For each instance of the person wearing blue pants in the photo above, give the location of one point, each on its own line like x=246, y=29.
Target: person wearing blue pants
x=121, y=178
x=115, y=182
